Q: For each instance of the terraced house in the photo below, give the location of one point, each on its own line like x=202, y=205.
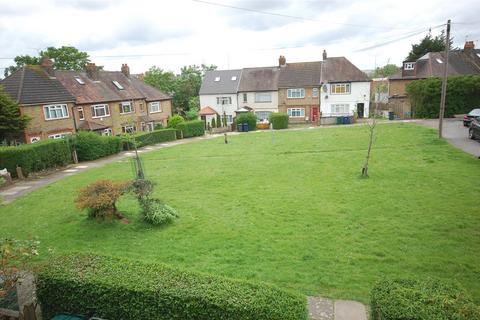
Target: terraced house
x=106, y=102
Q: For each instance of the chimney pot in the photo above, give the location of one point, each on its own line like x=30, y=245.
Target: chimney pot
x=92, y=71
x=469, y=45
x=126, y=70
x=324, y=55
x=47, y=65
x=282, y=61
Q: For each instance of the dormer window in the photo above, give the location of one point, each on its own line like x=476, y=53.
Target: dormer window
x=234, y=78
x=409, y=65
x=117, y=84
x=79, y=80
x=217, y=79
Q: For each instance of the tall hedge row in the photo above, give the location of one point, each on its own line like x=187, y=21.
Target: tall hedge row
x=463, y=95
x=148, y=138
x=122, y=289
x=36, y=156
x=279, y=120
x=91, y=146
x=421, y=300
x=191, y=128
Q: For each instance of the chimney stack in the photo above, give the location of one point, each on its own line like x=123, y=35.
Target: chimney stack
x=92, y=71
x=469, y=45
x=324, y=55
x=126, y=70
x=47, y=66
x=282, y=61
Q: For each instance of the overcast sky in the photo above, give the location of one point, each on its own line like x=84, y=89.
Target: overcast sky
x=171, y=34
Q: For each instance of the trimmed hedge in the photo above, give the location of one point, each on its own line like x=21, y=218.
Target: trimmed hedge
x=420, y=300
x=123, y=289
x=36, y=156
x=191, y=128
x=148, y=138
x=91, y=146
x=247, y=117
x=279, y=120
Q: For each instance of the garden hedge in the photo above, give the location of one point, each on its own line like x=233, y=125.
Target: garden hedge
x=279, y=120
x=191, y=128
x=36, y=156
x=91, y=146
x=115, y=288
x=247, y=117
x=148, y=138
x=421, y=300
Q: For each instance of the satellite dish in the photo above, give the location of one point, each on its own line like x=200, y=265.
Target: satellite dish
x=324, y=87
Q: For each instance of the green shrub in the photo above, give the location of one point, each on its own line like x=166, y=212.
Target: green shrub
x=248, y=117
x=219, y=121
x=148, y=138
x=158, y=126
x=192, y=128
x=463, y=94
x=420, y=300
x=214, y=125
x=35, y=156
x=279, y=120
x=91, y=146
x=175, y=120
x=157, y=213
x=125, y=289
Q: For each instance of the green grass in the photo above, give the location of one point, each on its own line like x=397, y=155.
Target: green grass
x=288, y=209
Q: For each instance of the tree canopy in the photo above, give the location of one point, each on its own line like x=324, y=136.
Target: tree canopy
x=64, y=58
x=183, y=86
x=11, y=121
x=385, y=71
x=428, y=44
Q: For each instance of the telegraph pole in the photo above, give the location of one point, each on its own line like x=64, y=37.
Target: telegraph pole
x=444, y=83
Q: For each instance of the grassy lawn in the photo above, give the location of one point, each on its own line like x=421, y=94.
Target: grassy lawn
x=288, y=209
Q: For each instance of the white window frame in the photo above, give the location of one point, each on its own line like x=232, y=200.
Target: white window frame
x=151, y=126
x=340, y=88
x=296, y=112
x=123, y=105
x=81, y=113
x=118, y=85
x=245, y=98
x=262, y=113
x=263, y=97
x=100, y=106
x=409, y=65
x=125, y=129
x=315, y=92
x=220, y=101
x=340, y=109
x=79, y=80
x=152, y=104
x=229, y=118
x=296, y=93
x=107, y=132
x=60, y=135
x=48, y=109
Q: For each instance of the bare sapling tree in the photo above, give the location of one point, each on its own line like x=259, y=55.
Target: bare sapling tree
x=371, y=124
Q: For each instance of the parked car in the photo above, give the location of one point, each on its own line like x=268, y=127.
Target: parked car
x=474, y=131
x=468, y=117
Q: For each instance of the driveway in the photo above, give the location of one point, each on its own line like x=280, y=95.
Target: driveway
x=456, y=134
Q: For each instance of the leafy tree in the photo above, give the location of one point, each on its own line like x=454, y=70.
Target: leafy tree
x=214, y=125
x=428, y=44
x=11, y=121
x=158, y=78
x=219, y=121
x=175, y=120
x=385, y=71
x=64, y=58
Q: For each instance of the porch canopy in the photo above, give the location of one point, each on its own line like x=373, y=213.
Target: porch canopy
x=207, y=111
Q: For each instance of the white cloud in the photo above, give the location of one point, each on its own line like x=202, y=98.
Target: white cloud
x=182, y=32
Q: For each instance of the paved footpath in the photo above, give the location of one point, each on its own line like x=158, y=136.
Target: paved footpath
x=326, y=309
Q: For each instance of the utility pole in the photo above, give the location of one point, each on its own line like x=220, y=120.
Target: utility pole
x=444, y=83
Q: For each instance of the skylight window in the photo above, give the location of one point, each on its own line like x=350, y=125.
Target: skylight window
x=234, y=78
x=79, y=80
x=117, y=84
x=439, y=60
x=217, y=79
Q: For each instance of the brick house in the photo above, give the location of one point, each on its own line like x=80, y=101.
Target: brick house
x=63, y=102
x=460, y=62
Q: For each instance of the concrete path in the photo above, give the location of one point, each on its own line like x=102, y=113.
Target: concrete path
x=326, y=309
x=21, y=187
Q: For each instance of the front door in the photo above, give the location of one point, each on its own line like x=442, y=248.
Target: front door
x=360, y=109
x=314, y=114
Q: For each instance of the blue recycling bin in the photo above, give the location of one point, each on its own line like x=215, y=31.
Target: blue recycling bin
x=245, y=127
x=346, y=120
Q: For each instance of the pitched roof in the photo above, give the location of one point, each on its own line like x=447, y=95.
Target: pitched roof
x=432, y=64
x=31, y=85
x=259, y=79
x=92, y=126
x=227, y=81
x=206, y=111
x=150, y=93
x=340, y=69
x=300, y=74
